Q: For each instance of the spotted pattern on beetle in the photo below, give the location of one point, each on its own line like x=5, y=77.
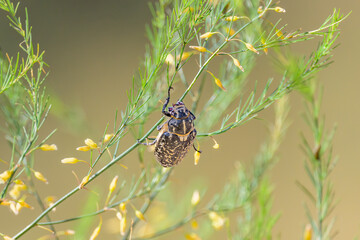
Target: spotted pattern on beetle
x=176, y=135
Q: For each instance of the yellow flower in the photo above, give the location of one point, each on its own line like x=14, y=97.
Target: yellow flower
x=170, y=59
x=260, y=10
x=217, y=81
x=113, y=184
x=123, y=226
x=69, y=232
x=84, y=181
x=194, y=224
x=83, y=148
x=122, y=207
x=216, y=221
x=5, y=176
x=6, y=237
x=188, y=9
x=230, y=31
x=196, y=157
x=16, y=190
x=219, y=84
x=119, y=215
x=24, y=204
x=232, y=18
x=192, y=236
x=4, y=202
x=265, y=49
x=207, y=35
x=49, y=200
x=40, y=176
x=279, y=10
x=47, y=147
x=237, y=63
x=107, y=137
x=198, y=48
x=251, y=48
x=195, y=198
x=96, y=231
x=90, y=143
x=308, y=232
x=15, y=207
x=140, y=215
x=69, y=160
x=184, y=56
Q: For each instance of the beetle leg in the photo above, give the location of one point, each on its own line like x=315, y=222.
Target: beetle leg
x=166, y=113
x=196, y=148
x=160, y=126
x=147, y=144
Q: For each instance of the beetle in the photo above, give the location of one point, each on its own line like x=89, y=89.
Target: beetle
x=176, y=135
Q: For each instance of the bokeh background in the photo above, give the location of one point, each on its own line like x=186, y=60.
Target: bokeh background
x=93, y=49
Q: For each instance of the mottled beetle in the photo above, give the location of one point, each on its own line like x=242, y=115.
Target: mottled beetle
x=176, y=135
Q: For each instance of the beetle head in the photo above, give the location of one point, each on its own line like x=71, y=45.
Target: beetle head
x=178, y=110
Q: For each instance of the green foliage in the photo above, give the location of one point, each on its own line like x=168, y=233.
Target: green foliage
x=237, y=31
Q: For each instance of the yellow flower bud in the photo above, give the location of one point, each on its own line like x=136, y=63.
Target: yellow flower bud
x=47, y=147
x=6, y=237
x=188, y=9
x=90, y=143
x=219, y=84
x=113, y=184
x=232, y=18
x=194, y=224
x=122, y=207
x=84, y=181
x=107, y=137
x=195, y=198
x=279, y=10
x=49, y=200
x=140, y=215
x=251, y=48
x=96, y=232
x=308, y=232
x=237, y=63
x=217, y=81
x=216, y=146
x=184, y=56
x=230, y=31
x=40, y=176
x=198, y=48
x=69, y=232
x=196, y=157
x=170, y=60
x=265, y=49
x=83, y=148
x=207, y=35
x=69, y=160
x=123, y=226
x=192, y=236
x=260, y=10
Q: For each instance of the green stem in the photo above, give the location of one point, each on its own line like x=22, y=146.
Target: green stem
x=146, y=205
x=69, y=194
x=96, y=212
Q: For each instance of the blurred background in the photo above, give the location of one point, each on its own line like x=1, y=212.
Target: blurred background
x=93, y=49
